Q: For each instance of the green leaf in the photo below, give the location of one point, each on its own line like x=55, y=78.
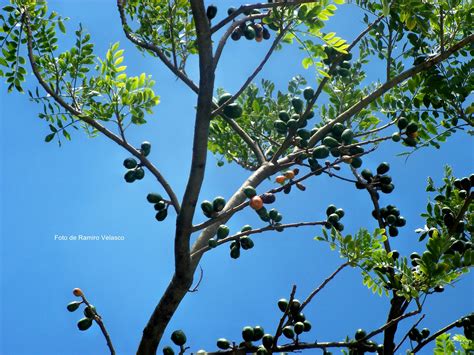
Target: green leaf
x=49, y=137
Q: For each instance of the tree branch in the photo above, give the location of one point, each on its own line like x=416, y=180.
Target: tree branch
x=152, y=47
x=434, y=336
x=96, y=125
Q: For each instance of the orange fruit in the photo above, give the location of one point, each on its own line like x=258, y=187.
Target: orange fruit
x=290, y=174
x=280, y=179
x=77, y=292
x=256, y=202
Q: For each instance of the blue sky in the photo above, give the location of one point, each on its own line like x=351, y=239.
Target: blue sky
x=79, y=189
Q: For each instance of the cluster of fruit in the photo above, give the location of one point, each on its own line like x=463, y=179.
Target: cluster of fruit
x=161, y=206
x=391, y=217
x=416, y=335
x=211, y=209
x=89, y=311
x=464, y=185
x=286, y=179
x=294, y=121
x=244, y=242
x=335, y=143
x=297, y=322
x=468, y=324
x=407, y=128
x=343, y=66
x=257, y=203
x=365, y=345
x=135, y=170
x=380, y=181
x=233, y=110
x=251, y=31
x=179, y=338
x=334, y=215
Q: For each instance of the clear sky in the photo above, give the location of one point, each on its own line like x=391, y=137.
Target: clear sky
x=79, y=189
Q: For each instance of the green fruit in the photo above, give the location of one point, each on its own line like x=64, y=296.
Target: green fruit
x=139, y=173
x=223, y=344
x=295, y=306
x=218, y=204
x=130, y=176
x=367, y=174
x=386, y=189
x=160, y=206
x=321, y=152
x=178, y=337
x=233, y=110
x=84, y=323
x=347, y=136
x=425, y=332
x=299, y=327
x=330, y=142
x=409, y=141
x=130, y=163
x=249, y=32
x=393, y=231
x=247, y=333
x=246, y=243
x=283, y=304
x=168, y=350
x=90, y=312
x=284, y=116
x=385, y=179
x=250, y=192
x=330, y=210
x=356, y=162
x=396, y=137
x=383, y=168
x=339, y=226
x=262, y=351
x=333, y=218
x=288, y=332
x=343, y=72
x=402, y=123
x=360, y=334
x=161, y=215
x=146, y=148
x=267, y=341
x=235, y=252
x=292, y=124
x=297, y=104
x=337, y=129
x=356, y=150
x=304, y=133
x=207, y=207
x=412, y=127
x=278, y=218
x=212, y=243
x=222, y=231
x=246, y=228
x=414, y=256
x=391, y=219
x=154, y=197
x=258, y=333
x=236, y=34
x=263, y=214
x=400, y=222
x=211, y=11
x=340, y=212
x=273, y=213
x=280, y=126
x=223, y=98
x=71, y=307
x=307, y=326
x=308, y=93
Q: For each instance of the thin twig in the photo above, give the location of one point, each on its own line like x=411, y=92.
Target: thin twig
x=406, y=335
x=434, y=336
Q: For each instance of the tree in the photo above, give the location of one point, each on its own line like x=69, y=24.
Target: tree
x=425, y=48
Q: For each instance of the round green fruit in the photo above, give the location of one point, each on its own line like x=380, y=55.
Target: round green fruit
x=246, y=228
x=130, y=163
x=333, y=218
x=168, y=350
x=295, y=306
x=402, y=123
x=235, y=252
x=90, y=311
x=249, y=32
x=262, y=351
x=211, y=12
x=154, y=197
x=383, y=168
x=297, y=104
x=212, y=243
x=222, y=231
x=330, y=210
x=307, y=326
x=258, y=333
x=299, y=327
x=218, y=204
x=250, y=192
x=360, y=334
x=347, y=136
x=71, y=307
x=330, y=142
x=146, y=148
x=223, y=344
x=84, y=323
x=224, y=98
x=139, y=173
x=283, y=304
x=233, y=110
x=288, y=332
x=130, y=176
x=161, y=215
x=284, y=116
x=267, y=341
x=207, y=207
x=280, y=126
x=340, y=212
x=246, y=243
x=412, y=127
x=160, y=206
x=367, y=174
x=247, y=333
x=396, y=137
x=337, y=129
x=178, y=337
x=321, y=152
x=308, y=93
x=356, y=162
